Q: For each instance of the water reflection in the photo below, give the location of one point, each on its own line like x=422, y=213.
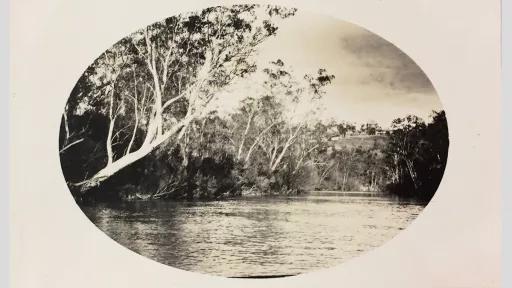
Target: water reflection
x=257, y=236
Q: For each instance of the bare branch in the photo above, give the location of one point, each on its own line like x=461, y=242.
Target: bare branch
x=70, y=145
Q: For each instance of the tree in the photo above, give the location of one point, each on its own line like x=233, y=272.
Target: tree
x=154, y=83
x=345, y=127
x=405, y=140
x=416, y=155
x=283, y=90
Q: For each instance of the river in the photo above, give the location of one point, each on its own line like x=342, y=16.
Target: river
x=259, y=236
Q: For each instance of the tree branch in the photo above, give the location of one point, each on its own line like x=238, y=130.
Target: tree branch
x=71, y=144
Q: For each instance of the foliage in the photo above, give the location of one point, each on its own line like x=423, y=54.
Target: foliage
x=138, y=124
x=416, y=156
x=150, y=86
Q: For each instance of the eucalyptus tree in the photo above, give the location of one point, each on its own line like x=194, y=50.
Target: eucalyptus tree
x=154, y=83
x=405, y=148
x=300, y=102
x=416, y=155
x=274, y=120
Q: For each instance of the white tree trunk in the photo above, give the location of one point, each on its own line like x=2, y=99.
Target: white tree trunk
x=301, y=160
x=110, y=156
x=66, y=124
x=247, y=128
x=288, y=143
x=155, y=134
x=256, y=141
x=113, y=167
x=136, y=113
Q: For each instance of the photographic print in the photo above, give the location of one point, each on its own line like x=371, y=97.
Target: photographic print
x=252, y=141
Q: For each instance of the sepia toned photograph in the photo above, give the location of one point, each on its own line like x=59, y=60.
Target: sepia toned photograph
x=252, y=141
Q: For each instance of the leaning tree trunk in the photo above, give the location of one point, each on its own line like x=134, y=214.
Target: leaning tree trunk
x=116, y=165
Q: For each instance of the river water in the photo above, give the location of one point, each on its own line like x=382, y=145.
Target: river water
x=255, y=236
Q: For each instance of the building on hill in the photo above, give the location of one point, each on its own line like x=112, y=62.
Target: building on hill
x=370, y=128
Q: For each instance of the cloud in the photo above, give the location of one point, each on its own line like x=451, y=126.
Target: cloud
x=387, y=65
x=375, y=80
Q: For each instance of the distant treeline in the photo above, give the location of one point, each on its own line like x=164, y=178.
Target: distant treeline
x=407, y=161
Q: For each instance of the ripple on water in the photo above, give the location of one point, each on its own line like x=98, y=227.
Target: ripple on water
x=259, y=236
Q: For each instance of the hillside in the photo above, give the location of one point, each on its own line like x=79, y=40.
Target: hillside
x=365, y=142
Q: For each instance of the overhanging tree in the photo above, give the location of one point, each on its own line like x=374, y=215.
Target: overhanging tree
x=154, y=83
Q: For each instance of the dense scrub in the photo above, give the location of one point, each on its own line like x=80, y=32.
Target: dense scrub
x=409, y=162
x=416, y=156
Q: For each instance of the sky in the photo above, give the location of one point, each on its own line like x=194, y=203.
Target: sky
x=375, y=80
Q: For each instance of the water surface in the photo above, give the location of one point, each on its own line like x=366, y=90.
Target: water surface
x=255, y=236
